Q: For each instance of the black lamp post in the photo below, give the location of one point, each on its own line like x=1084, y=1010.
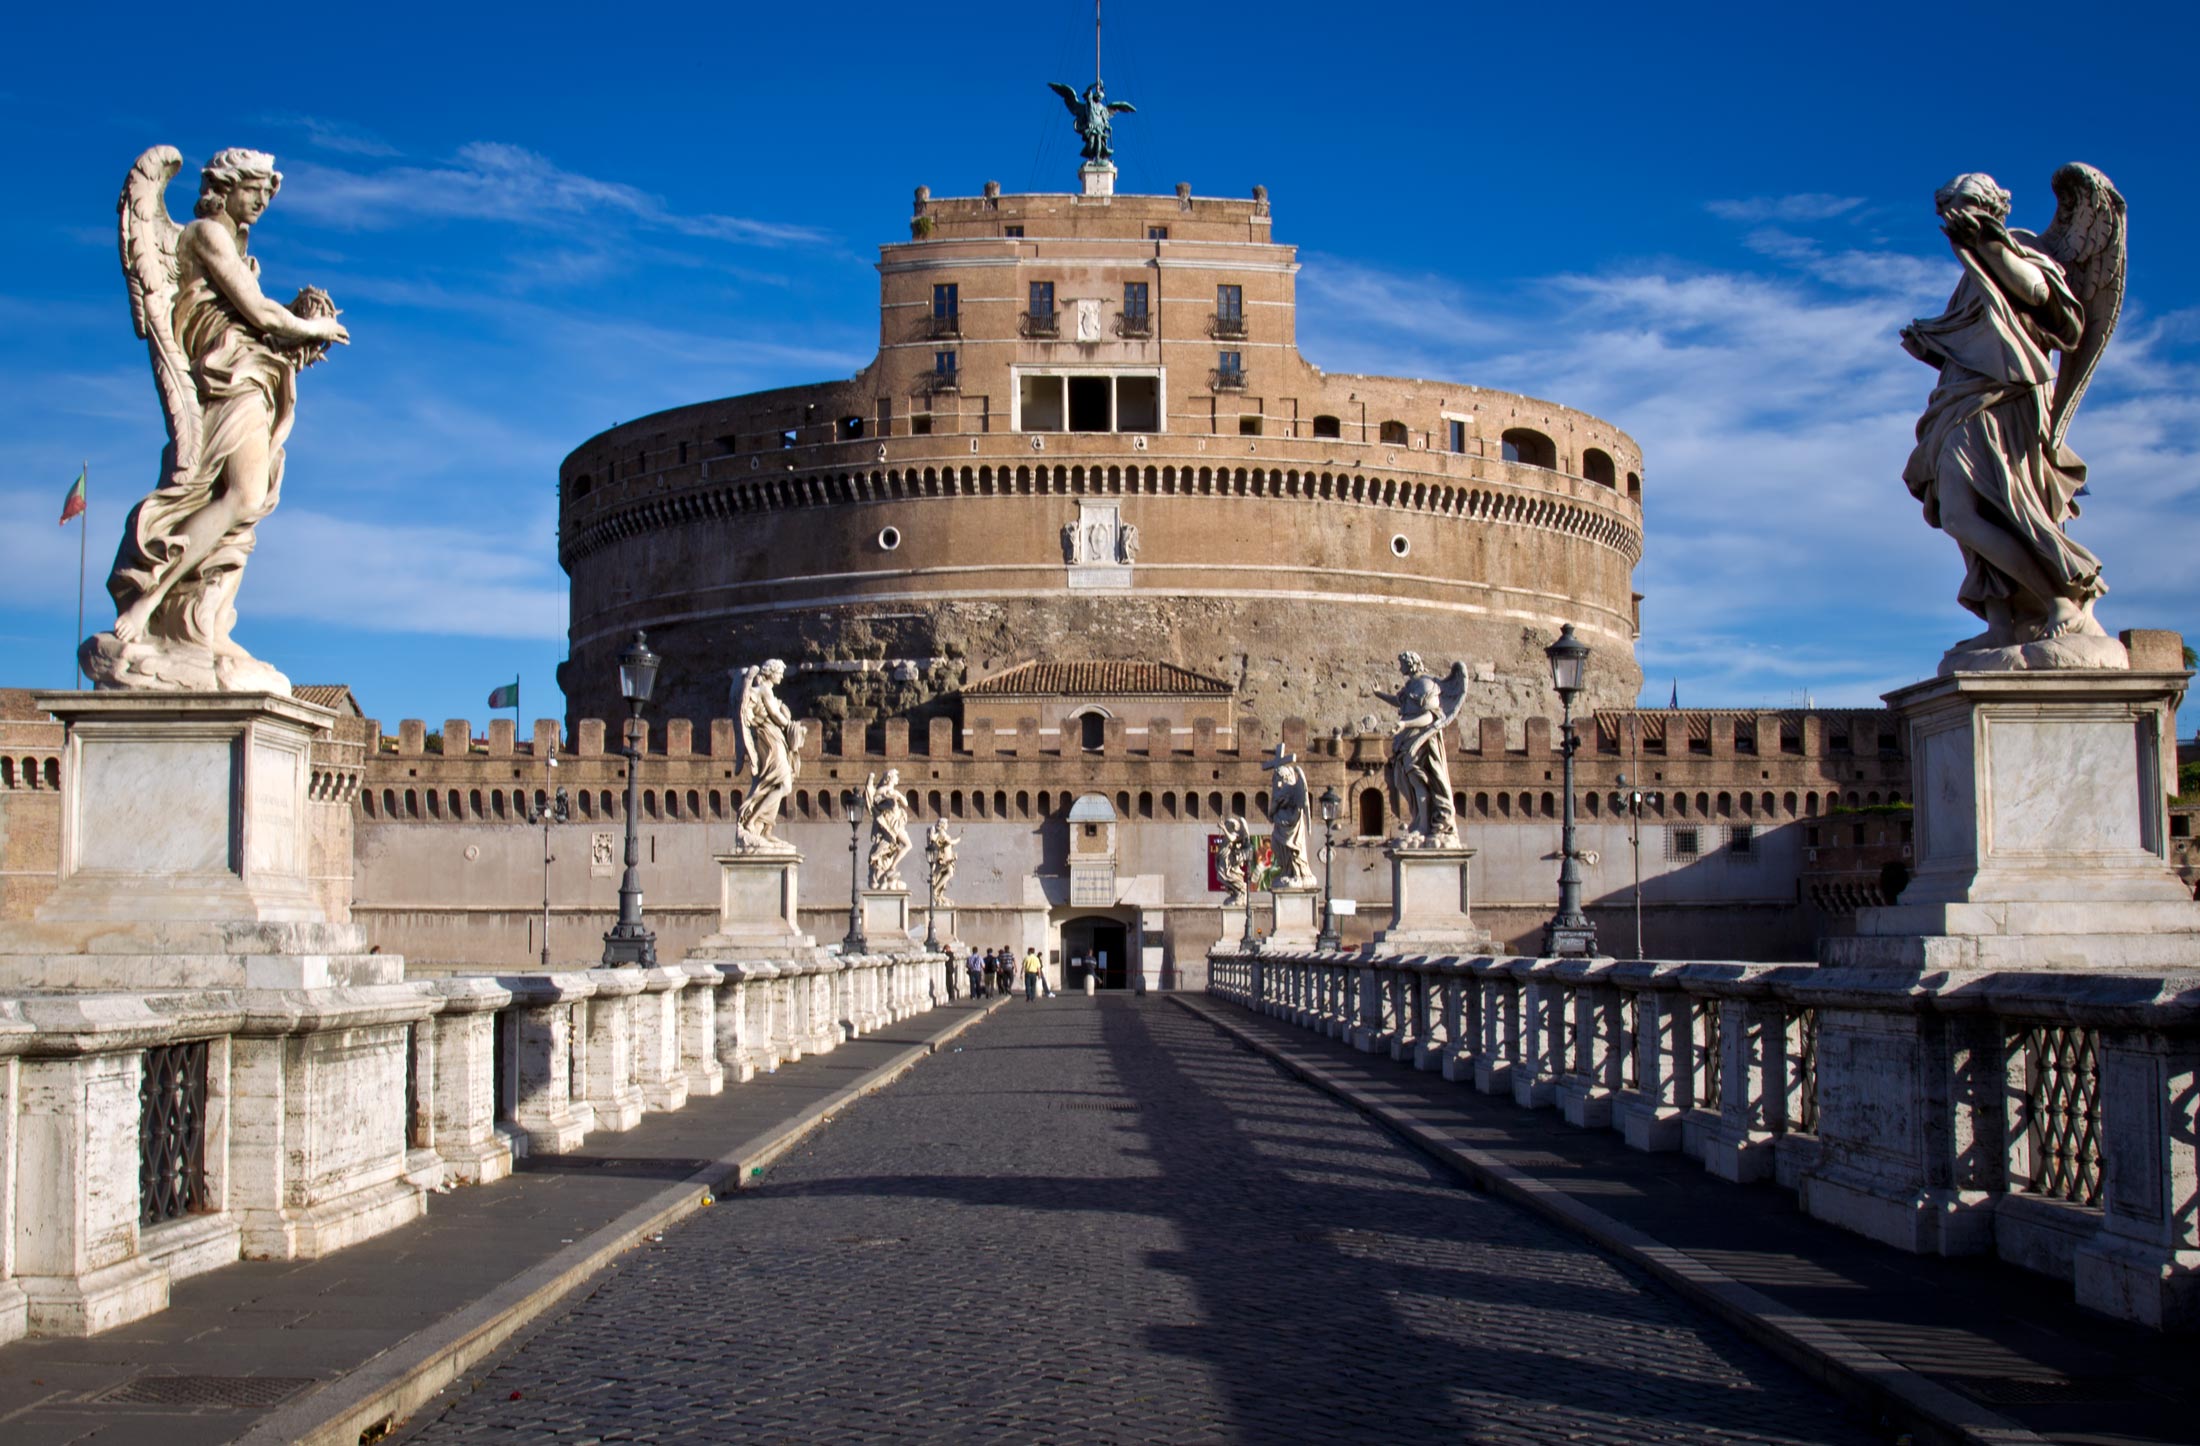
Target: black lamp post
x=1570, y=933
x=559, y=810
x=629, y=941
x=1637, y=800
x=851, y=803
x=1328, y=937
x=931, y=893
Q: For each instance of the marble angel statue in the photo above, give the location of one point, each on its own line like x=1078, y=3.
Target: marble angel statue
x=767, y=741
x=225, y=360
x=1419, y=775
x=1287, y=814
x=942, y=858
x=1237, y=861
x=889, y=809
x=1991, y=467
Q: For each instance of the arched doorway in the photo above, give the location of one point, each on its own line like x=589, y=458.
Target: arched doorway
x=1103, y=940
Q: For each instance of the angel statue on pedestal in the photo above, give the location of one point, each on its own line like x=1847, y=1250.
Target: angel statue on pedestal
x=767, y=741
x=1094, y=116
x=1419, y=774
x=1237, y=861
x=226, y=361
x=889, y=809
x=1287, y=814
x=941, y=846
x=1990, y=464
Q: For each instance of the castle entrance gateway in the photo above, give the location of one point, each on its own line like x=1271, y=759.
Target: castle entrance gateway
x=1105, y=941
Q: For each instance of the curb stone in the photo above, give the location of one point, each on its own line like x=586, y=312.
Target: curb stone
x=369, y=1403
x=1853, y=1371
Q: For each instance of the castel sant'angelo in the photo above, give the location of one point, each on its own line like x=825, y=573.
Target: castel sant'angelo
x=1089, y=435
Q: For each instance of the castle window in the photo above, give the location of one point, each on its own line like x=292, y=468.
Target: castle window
x=683, y=454
x=1157, y=233
x=947, y=302
x=920, y=424
x=1013, y=233
x=1456, y=435
x=1138, y=404
x=1042, y=299
x=1229, y=371
x=1634, y=487
x=1530, y=448
x=1327, y=427
x=1371, y=813
x=1092, y=404
x=1041, y=408
x=1249, y=425
x=1393, y=434
x=851, y=428
x=1137, y=320
x=581, y=484
x=943, y=364
x=1092, y=730
x=786, y=437
x=1682, y=843
x=1596, y=465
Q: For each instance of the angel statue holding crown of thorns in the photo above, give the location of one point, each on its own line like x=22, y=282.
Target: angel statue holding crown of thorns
x=1419, y=774
x=1990, y=464
x=225, y=361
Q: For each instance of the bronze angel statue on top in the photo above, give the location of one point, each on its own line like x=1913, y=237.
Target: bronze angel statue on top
x=1990, y=466
x=226, y=361
x=1094, y=116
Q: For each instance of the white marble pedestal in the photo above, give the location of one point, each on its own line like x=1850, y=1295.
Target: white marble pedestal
x=1431, y=893
x=758, y=894
x=886, y=920
x=2042, y=826
x=1297, y=920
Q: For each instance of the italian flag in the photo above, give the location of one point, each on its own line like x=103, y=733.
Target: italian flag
x=73, y=504
x=506, y=696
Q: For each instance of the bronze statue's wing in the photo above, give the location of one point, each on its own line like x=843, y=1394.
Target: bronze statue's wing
x=2087, y=237
x=1121, y=107
x=1069, y=98
x=148, y=242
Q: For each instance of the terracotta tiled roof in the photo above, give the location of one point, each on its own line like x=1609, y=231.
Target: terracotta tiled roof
x=328, y=695
x=1091, y=678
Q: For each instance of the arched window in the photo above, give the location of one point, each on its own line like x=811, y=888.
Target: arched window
x=1168, y=803
x=1092, y=731
x=1000, y=803
x=1023, y=803
x=435, y=804
x=1214, y=805
x=1481, y=805
x=1145, y=805
x=366, y=801
x=1260, y=805
x=1122, y=805
x=1371, y=813
x=1596, y=465
x=1529, y=447
x=1634, y=487
x=955, y=802
x=607, y=807
x=1327, y=427
x=1237, y=805
x=695, y=804
x=1550, y=806
x=1191, y=804
x=1046, y=803
x=1393, y=434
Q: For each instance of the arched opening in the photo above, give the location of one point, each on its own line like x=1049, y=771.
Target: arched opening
x=1097, y=946
x=1529, y=447
x=1596, y=465
x=1327, y=427
x=1371, y=813
x=1092, y=731
x=1393, y=434
x=1634, y=487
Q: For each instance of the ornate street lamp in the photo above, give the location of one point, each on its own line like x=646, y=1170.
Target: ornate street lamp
x=1570, y=933
x=1636, y=801
x=931, y=894
x=629, y=942
x=559, y=811
x=1328, y=937
x=851, y=803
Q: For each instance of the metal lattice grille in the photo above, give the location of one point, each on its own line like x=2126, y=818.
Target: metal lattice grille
x=172, y=1132
x=1708, y=1053
x=2062, y=1112
x=1805, y=1034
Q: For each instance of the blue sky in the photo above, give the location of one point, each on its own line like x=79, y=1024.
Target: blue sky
x=1704, y=223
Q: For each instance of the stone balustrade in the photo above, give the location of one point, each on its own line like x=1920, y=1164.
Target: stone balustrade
x=2046, y=1117
x=145, y=1138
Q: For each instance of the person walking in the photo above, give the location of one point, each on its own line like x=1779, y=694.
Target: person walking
x=1034, y=972
x=975, y=968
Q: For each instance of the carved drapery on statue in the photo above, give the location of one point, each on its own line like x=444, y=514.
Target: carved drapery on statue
x=1419, y=773
x=1287, y=813
x=225, y=362
x=942, y=859
x=889, y=810
x=1237, y=860
x=1990, y=465
x=768, y=743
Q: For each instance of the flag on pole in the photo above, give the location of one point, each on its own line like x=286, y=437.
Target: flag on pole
x=72, y=506
x=506, y=696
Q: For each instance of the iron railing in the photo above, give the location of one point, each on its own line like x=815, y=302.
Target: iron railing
x=2060, y=1113
x=172, y=1132
x=1226, y=379
x=949, y=380
x=1040, y=324
x=939, y=328
x=1134, y=324
x=1803, y=1031
x=1226, y=326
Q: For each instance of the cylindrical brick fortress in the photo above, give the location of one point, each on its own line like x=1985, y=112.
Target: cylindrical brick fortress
x=1088, y=434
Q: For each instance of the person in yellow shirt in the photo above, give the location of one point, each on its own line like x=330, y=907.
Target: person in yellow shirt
x=1034, y=969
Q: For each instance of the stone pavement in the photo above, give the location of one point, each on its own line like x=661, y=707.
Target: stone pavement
x=299, y=1337
x=2002, y=1351
x=1104, y=1221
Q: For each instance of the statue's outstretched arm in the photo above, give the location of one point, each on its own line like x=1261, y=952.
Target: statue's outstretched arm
x=225, y=267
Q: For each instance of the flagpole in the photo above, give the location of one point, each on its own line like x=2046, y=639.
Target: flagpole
x=83, y=531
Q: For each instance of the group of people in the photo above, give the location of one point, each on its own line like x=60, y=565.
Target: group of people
x=995, y=970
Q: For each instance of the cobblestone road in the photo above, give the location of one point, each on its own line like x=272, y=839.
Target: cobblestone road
x=1106, y=1222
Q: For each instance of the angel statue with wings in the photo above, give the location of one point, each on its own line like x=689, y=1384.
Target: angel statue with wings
x=1990, y=464
x=767, y=741
x=1288, y=814
x=940, y=844
x=889, y=809
x=1419, y=774
x=1237, y=861
x=226, y=360
x=1094, y=115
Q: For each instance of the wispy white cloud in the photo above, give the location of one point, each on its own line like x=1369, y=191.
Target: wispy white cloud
x=497, y=581
x=1806, y=206
x=333, y=135
x=494, y=181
